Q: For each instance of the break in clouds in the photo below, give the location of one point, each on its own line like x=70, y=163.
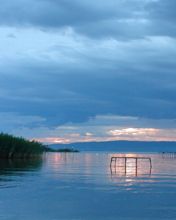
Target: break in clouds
x=88, y=70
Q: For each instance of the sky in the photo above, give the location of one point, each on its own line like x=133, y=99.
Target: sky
x=86, y=70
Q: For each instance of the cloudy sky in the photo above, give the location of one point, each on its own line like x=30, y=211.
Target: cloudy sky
x=85, y=70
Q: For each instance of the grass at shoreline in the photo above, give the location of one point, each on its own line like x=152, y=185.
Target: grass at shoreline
x=18, y=147
x=12, y=147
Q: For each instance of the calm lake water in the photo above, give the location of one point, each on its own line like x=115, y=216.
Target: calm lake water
x=82, y=186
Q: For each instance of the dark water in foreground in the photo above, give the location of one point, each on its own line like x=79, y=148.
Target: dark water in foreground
x=82, y=186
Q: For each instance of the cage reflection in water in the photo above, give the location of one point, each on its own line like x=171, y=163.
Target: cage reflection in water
x=169, y=155
x=131, y=165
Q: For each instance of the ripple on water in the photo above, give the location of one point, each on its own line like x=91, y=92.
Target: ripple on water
x=82, y=186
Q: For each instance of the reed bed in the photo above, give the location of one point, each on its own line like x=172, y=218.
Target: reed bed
x=18, y=147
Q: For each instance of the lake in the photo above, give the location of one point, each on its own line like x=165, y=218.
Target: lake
x=78, y=186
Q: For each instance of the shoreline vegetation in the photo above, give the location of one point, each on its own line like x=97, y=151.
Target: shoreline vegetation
x=12, y=147
x=62, y=150
x=19, y=148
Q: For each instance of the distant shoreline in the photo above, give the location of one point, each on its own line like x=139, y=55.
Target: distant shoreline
x=120, y=146
x=62, y=150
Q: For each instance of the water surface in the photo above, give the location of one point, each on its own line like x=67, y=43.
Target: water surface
x=82, y=186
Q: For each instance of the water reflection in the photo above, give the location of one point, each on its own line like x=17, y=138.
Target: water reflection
x=130, y=164
x=10, y=170
x=169, y=155
x=99, y=163
x=91, y=168
x=81, y=186
x=162, y=174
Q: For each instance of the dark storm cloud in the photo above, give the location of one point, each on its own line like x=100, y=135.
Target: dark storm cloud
x=69, y=61
x=163, y=17
x=53, y=13
x=75, y=96
x=122, y=19
x=163, y=9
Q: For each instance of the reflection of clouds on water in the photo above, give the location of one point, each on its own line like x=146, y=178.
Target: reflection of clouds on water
x=92, y=168
x=77, y=185
x=161, y=174
x=100, y=162
x=128, y=173
x=63, y=165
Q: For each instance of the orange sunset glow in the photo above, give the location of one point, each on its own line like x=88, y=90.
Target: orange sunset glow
x=131, y=134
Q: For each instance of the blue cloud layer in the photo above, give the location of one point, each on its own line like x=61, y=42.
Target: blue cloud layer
x=67, y=62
